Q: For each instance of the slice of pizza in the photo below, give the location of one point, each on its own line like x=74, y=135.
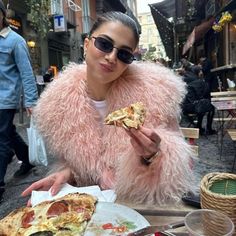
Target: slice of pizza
x=129, y=117
x=67, y=216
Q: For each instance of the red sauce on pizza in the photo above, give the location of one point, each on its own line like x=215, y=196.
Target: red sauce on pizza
x=57, y=208
x=78, y=209
x=27, y=218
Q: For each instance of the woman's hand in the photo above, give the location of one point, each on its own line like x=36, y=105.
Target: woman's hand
x=53, y=181
x=145, y=141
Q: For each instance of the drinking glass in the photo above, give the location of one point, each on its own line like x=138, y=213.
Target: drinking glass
x=205, y=222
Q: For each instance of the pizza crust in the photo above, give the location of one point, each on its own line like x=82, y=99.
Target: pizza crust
x=11, y=222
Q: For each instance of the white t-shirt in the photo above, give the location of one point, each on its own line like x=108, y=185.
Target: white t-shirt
x=101, y=108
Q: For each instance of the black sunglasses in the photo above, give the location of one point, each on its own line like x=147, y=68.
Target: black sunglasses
x=107, y=46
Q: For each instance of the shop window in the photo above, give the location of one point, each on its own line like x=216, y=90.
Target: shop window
x=65, y=59
x=56, y=7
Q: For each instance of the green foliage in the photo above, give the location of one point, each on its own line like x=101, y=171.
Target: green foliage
x=150, y=55
x=190, y=8
x=39, y=16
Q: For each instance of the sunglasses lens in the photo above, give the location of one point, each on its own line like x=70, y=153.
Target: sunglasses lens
x=125, y=56
x=106, y=46
x=103, y=44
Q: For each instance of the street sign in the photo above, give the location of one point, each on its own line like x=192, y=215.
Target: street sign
x=59, y=23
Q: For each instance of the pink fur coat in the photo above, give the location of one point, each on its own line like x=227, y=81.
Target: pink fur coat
x=100, y=154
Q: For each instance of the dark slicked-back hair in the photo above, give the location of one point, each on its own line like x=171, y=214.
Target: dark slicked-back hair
x=113, y=16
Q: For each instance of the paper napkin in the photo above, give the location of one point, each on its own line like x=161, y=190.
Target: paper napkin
x=103, y=196
x=231, y=83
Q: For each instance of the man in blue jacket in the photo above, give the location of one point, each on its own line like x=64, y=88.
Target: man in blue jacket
x=15, y=73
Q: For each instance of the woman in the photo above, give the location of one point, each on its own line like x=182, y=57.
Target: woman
x=198, y=101
x=149, y=164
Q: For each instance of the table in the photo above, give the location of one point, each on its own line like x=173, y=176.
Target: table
x=224, y=105
x=223, y=94
x=157, y=215
x=226, y=110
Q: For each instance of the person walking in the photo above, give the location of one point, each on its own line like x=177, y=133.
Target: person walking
x=15, y=72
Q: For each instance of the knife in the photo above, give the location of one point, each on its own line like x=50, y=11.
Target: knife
x=156, y=228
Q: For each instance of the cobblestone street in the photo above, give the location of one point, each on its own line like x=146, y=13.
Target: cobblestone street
x=208, y=161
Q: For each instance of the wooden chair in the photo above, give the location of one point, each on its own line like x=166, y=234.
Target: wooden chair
x=191, y=134
x=227, y=98
x=232, y=134
x=223, y=94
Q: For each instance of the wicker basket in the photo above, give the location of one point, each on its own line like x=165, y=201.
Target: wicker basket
x=218, y=192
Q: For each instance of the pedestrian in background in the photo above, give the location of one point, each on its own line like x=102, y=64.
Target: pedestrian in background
x=210, y=78
x=186, y=71
x=15, y=72
x=48, y=76
x=198, y=101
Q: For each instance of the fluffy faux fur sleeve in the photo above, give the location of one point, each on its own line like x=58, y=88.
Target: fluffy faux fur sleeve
x=170, y=175
x=54, y=114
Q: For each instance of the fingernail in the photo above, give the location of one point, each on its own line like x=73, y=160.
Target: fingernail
x=52, y=191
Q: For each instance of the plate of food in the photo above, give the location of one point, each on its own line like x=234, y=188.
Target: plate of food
x=76, y=214
x=114, y=219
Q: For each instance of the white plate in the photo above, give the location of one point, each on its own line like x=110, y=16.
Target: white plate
x=118, y=216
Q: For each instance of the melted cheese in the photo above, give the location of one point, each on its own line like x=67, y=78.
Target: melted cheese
x=130, y=117
x=69, y=223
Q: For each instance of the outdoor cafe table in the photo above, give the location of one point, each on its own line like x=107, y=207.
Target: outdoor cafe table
x=160, y=215
x=226, y=110
x=217, y=96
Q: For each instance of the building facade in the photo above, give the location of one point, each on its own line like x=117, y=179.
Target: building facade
x=218, y=44
x=70, y=20
x=150, y=44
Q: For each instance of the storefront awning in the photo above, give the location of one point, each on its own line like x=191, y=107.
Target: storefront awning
x=165, y=29
x=230, y=6
x=166, y=8
x=197, y=34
